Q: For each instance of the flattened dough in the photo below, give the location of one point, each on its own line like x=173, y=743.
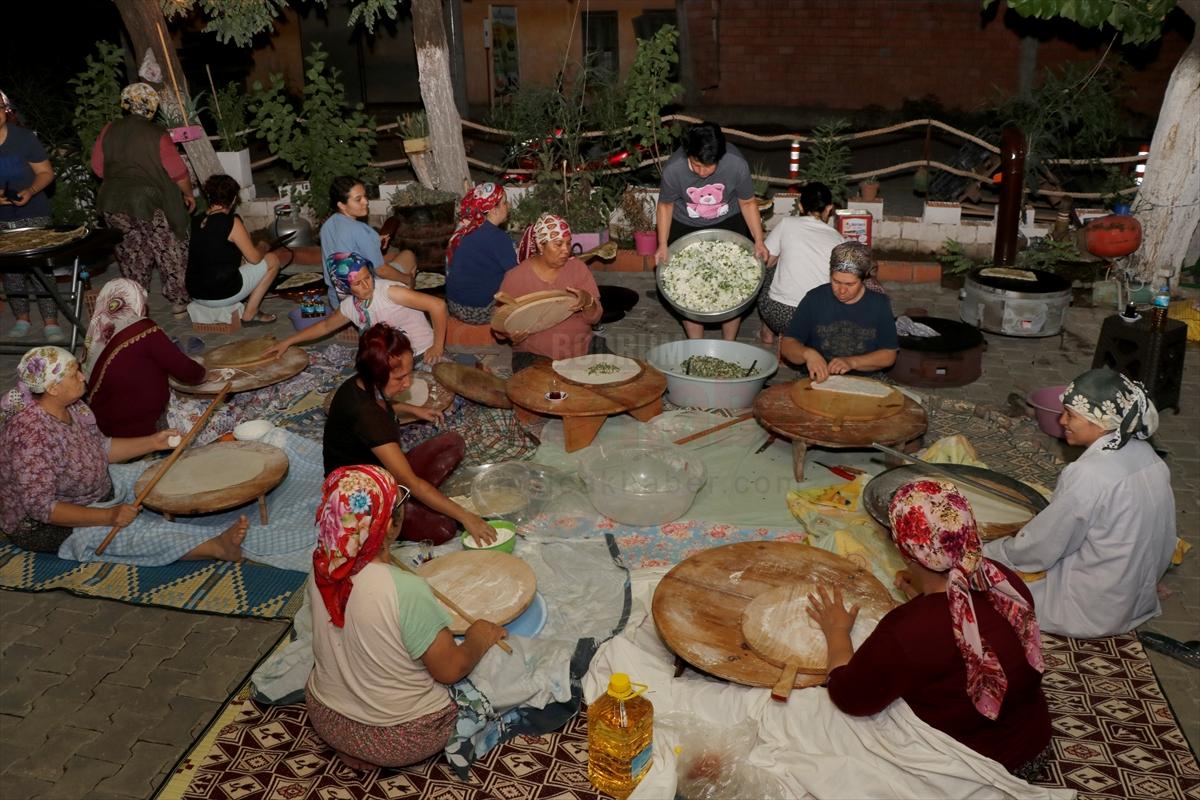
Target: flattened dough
x=415, y=395
x=845, y=384
x=777, y=625
x=209, y=472
x=300, y=279
x=245, y=353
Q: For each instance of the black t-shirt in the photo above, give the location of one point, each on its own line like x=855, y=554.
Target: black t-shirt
x=838, y=330
x=213, y=260
x=356, y=424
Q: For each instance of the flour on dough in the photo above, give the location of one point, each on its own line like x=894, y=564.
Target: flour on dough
x=990, y=510
x=847, y=385
x=210, y=471
x=777, y=625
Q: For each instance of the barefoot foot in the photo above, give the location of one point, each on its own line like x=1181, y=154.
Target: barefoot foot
x=228, y=545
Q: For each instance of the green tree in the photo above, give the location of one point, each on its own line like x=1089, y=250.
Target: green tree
x=1168, y=202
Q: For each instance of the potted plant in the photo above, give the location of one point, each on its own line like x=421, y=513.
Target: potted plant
x=829, y=158
x=183, y=124
x=649, y=88
x=424, y=218
x=634, y=222
x=414, y=129
x=869, y=189
x=229, y=108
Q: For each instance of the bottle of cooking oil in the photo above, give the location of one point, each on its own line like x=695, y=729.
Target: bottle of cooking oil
x=620, y=729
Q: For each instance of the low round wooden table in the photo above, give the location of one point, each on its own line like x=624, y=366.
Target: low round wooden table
x=274, y=469
x=245, y=379
x=775, y=411
x=586, y=407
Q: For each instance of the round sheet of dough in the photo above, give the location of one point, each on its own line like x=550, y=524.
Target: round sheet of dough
x=210, y=471
x=415, y=395
x=484, y=583
x=777, y=626
x=245, y=353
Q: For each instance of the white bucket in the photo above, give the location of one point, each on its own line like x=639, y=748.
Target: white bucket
x=688, y=390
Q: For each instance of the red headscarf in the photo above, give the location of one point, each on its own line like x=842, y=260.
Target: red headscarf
x=472, y=211
x=352, y=521
x=546, y=228
x=933, y=525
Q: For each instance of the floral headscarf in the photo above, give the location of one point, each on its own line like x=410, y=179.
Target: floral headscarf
x=1115, y=403
x=932, y=524
x=340, y=271
x=352, y=520
x=472, y=211
x=37, y=371
x=856, y=259
x=140, y=99
x=121, y=303
x=546, y=228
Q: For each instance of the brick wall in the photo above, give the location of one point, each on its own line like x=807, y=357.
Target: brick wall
x=855, y=53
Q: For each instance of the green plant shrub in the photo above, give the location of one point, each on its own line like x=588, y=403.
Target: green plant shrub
x=323, y=139
x=233, y=103
x=649, y=89
x=829, y=158
x=413, y=126
x=586, y=206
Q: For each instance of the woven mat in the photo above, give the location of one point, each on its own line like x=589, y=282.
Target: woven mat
x=214, y=587
x=253, y=752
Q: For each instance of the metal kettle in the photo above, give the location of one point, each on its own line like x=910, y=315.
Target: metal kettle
x=288, y=220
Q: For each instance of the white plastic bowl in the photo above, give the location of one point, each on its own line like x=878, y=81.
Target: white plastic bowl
x=694, y=392
x=646, y=485
x=253, y=430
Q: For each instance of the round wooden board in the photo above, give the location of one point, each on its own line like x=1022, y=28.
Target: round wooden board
x=574, y=370
x=698, y=606
x=843, y=406
x=246, y=353
x=533, y=316
x=272, y=467
x=776, y=412
x=777, y=626
x=291, y=363
x=486, y=584
x=529, y=386
x=473, y=383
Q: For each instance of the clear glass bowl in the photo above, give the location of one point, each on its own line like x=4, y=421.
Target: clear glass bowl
x=643, y=485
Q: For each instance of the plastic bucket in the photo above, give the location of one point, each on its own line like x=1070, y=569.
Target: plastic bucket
x=645, y=243
x=1047, y=404
x=691, y=391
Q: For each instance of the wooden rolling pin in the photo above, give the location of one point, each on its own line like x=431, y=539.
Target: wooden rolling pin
x=1007, y=495
x=727, y=424
x=447, y=602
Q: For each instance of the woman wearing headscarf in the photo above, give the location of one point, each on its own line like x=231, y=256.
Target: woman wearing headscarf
x=1109, y=531
x=365, y=300
x=129, y=362
x=964, y=652
x=55, y=461
x=479, y=255
x=146, y=194
x=382, y=646
x=845, y=326
x=546, y=263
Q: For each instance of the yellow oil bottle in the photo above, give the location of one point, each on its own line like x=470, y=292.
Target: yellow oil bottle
x=620, y=730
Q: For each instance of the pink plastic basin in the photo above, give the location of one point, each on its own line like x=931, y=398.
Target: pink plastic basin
x=1047, y=404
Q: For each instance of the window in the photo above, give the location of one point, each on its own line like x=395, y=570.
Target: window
x=600, y=49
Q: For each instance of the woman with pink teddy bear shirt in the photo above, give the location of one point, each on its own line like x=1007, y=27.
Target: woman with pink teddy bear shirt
x=706, y=184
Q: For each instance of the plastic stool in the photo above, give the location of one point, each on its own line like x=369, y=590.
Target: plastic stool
x=1153, y=357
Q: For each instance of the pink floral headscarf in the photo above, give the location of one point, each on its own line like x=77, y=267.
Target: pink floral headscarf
x=932, y=524
x=547, y=228
x=352, y=521
x=121, y=303
x=472, y=211
x=38, y=370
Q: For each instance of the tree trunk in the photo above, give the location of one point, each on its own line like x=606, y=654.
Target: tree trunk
x=1168, y=202
x=450, y=172
x=139, y=17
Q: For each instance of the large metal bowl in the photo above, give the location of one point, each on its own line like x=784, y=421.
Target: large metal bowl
x=711, y=235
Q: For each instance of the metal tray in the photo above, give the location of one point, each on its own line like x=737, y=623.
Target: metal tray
x=33, y=251
x=710, y=235
x=877, y=495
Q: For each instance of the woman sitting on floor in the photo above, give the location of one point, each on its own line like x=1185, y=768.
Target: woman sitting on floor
x=844, y=326
x=964, y=652
x=361, y=429
x=345, y=232
x=1109, y=532
x=546, y=263
x=382, y=646
x=55, y=461
x=129, y=362
x=224, y=267
x=479, y=255
x=366, y=300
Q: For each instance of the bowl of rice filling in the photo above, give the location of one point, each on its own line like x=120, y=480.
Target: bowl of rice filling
x=711, y=275
x=713, y=373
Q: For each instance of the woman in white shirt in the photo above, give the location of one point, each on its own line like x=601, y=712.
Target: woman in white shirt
x=799, y=248
x=1109, y=531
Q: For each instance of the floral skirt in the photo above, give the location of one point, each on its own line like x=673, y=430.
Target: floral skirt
x=776, y=315
x=380, y=746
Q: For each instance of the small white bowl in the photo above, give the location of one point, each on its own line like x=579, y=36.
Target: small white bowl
x=1130, y=320
x=253, y=430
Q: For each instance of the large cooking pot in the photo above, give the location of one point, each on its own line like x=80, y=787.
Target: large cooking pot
x=1015, y=307
x=710, y=235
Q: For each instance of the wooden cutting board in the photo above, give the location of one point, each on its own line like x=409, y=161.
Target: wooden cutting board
x=486, y=584
x=532, y=313
x=265, y=373
x=843, y=406
x=473, y=383
x=246, y=353
x=699, y=605
x=215, y=477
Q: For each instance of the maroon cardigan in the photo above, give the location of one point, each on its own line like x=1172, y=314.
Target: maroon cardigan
x=128, y=389
x=912, y=655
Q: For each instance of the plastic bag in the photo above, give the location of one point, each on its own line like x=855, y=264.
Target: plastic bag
x=712, y=763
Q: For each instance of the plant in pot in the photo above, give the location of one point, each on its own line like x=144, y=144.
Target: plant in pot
x=829, y=158
x=869, y=188
x=634, y=222
x=586, y=206
x=649, y=88
x=229, y=109
x=414, y=130
x=423, y=220
x=183, y=124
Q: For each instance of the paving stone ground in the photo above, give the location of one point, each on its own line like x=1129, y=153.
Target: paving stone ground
x=98, y=699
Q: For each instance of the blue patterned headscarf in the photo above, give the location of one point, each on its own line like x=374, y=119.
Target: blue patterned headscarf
x=340, y=269
x=1113, y=402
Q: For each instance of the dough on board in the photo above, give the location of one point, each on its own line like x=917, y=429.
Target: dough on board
x=210, y=471
x=845, y=384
